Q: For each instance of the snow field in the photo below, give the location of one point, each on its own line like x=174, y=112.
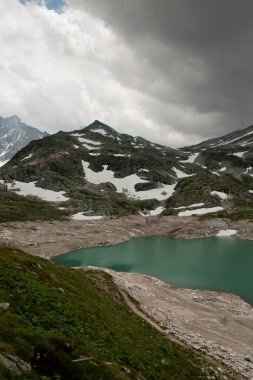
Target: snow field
x=29, y=188
x=126, y=184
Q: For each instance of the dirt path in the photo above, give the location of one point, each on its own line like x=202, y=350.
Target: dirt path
x=168, y=335
x=137, y=311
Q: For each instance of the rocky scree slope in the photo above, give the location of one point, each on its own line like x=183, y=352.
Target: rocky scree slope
x=98, y=171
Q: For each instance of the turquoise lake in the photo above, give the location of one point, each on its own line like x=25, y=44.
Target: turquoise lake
x=216, y=263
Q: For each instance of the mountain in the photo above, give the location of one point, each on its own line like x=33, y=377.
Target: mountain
x=14, y=135
x=239, y=138
x=97, y=171
x=232, y=153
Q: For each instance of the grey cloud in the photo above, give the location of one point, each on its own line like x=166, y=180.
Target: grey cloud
x=173, y=71
x=196, y=54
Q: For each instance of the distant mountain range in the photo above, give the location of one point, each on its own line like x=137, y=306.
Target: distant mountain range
x=97, y=171
x=14, y=135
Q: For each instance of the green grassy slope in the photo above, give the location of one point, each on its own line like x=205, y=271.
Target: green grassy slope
x=57, y=315
x=14, y=207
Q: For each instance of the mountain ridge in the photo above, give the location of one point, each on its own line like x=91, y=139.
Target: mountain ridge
x=102, y=172
x=236, y=137
x=14, y=135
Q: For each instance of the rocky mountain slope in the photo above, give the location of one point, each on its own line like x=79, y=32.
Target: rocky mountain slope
x=14, y=135
x=96, y=171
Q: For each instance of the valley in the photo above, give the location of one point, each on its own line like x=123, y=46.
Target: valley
x=98, y=187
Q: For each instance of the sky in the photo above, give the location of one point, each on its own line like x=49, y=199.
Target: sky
x=176, y=72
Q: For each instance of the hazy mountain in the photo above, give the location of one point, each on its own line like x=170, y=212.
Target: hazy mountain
x=97, y=170
x=14, y=135
x=240, y=138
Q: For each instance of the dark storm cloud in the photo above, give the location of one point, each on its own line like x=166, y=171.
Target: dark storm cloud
x=196, y=54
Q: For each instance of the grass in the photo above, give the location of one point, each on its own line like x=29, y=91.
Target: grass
x=14, y=207
x=108, y=203
x=58, y=314
x=234, y=215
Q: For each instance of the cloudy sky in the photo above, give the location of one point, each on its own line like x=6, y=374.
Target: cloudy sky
x=172, y=71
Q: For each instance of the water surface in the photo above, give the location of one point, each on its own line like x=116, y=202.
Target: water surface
x=216, y=263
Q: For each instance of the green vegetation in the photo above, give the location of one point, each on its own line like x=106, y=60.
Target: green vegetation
x=57, y=315
x=14, y=207
x=232, y=215
x=107, y=202
x=197, y=189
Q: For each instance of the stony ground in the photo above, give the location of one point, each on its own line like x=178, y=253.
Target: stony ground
x=49, y=239
x=218, y=324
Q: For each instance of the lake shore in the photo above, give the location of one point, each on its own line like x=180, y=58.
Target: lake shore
x=48, y=239
x=217, y=324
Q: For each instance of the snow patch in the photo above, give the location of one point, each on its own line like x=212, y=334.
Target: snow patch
x=220, y=194
x=191, y=206
x=99, y=130
x=238, y=154
x=76, y=146
x=223, y=169
x=89, y=147
x=29, y=188
x=181, y=174
x=160, y=194
x=155, y=212
x=88, y=141
x=81, y=216
x=191, y=158
x=227, y=232
x=247, y=170
x=200, y=211
x=126, y=184
x=27, y=157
